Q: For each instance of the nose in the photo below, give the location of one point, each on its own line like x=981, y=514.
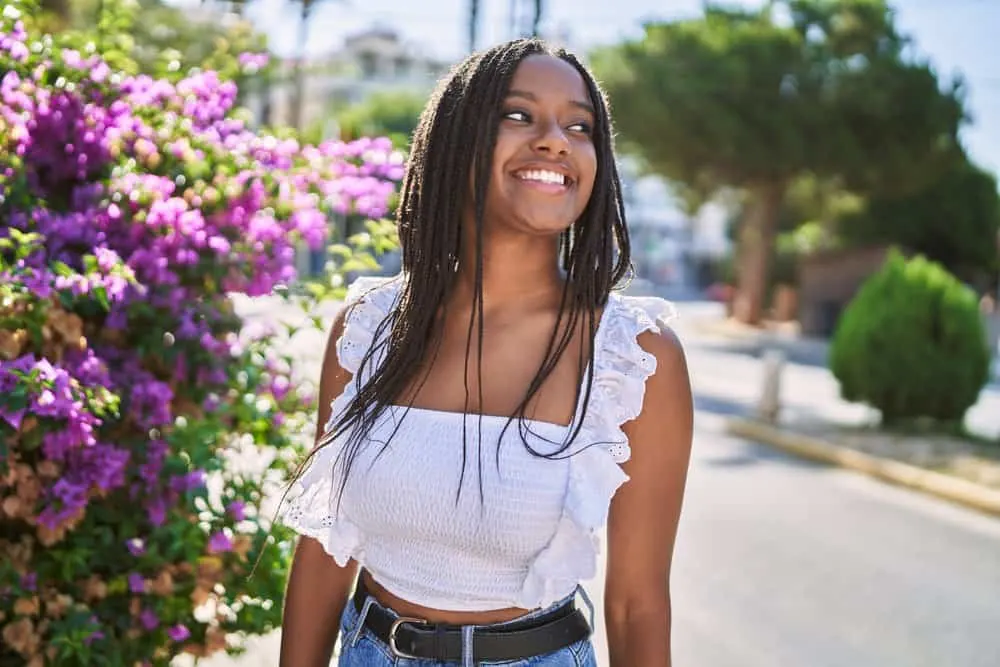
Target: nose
x=551, y=139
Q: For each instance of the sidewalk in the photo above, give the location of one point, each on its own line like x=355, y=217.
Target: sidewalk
x=798, y=349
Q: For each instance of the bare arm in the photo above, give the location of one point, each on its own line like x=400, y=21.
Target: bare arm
x=645, y=511
x=317, y=587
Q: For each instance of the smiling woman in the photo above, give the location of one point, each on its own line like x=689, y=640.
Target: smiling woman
x=488, y=412
x=544, y=146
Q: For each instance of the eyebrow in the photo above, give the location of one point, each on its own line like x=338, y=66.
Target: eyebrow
x=586, y=106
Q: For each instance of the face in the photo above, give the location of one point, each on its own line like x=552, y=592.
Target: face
x=544, y=162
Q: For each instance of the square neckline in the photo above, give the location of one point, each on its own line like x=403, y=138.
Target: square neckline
x=451, y=414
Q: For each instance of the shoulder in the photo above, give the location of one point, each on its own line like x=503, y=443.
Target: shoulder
x=644, y=312
x=664, y=346
x=648, y=322
x=369, y=301
x=378, y=291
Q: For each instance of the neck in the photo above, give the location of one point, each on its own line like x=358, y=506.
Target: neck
x=516, y=270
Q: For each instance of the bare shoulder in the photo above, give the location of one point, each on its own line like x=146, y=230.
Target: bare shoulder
x=667, y=349
x=667, y=407
x=333, y=376
x=331, y=361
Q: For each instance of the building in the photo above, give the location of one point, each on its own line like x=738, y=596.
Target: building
x=668, y=245
x=375, y=60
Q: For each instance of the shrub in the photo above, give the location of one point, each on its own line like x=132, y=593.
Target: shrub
x=912, y=344
x=131, y=210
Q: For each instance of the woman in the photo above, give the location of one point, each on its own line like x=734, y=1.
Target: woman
x=487, y=404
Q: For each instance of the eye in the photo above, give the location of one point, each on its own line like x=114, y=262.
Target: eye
x=519, y=116
x=585, y=128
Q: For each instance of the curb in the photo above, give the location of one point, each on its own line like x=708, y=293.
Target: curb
x=937, y=484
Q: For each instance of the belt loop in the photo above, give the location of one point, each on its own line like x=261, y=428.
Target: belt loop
x=362, y=615
x=468, y=646
x=587, y=601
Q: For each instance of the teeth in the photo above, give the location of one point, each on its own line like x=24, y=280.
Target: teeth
x=542, y=175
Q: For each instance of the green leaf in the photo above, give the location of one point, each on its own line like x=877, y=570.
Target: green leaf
x=62, y=269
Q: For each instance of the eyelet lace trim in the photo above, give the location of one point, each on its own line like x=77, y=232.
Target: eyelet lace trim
x=312, y=508
x=621, y=368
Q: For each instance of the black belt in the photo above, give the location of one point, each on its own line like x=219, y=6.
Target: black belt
x=416, y=638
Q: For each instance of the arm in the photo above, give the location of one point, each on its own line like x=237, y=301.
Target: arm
x=317, y=587
x=642, y=524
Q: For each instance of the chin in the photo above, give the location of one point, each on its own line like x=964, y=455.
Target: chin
x=546, y=227
x=545, y=224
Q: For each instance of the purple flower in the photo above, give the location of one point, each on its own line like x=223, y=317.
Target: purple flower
x=29, y=581
x=280, y=386
x=136, y=546
x=71, y=58
x=13, y=417
x=178, y=633
x=156, y=510
x=149, y=619
x=219, y=542
x=237, y=510
x=188, y=482
x=136, y=583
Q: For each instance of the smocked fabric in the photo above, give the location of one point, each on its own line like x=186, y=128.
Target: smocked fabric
x=493, y=526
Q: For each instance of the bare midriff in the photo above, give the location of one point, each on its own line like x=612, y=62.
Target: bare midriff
x=408, y=609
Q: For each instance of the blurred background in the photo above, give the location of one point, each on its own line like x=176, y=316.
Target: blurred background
x=788, y=167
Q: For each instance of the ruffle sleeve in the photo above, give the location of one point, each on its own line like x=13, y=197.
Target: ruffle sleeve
x=370, y=300
x=311, y=507
x=621, y=368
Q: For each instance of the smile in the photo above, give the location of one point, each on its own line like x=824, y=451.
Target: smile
x=548, y=179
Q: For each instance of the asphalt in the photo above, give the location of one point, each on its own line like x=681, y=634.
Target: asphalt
x=782, y=562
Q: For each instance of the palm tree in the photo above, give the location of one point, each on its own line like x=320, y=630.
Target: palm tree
x=306, y=8
x=519, y=14
x=537, y=18
x=473, y=23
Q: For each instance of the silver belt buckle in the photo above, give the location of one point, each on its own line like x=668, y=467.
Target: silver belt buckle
x=394, y=628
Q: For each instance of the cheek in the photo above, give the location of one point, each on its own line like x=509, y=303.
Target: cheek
x=588, y=173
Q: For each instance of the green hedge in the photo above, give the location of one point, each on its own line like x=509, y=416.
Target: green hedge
x=912, y=344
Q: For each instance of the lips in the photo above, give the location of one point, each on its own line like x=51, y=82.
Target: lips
x=550, y=178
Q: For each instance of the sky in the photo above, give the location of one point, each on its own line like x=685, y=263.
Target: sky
x=959, y=36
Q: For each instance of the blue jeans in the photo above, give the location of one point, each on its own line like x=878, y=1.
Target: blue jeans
x=359, y=647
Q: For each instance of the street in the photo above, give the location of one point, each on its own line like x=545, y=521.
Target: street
x=783, y=562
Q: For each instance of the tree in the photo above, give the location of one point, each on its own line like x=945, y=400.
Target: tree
x=154, y=38
x=473, y=26
x=57, y=13
x=298, y=75
x=536, y=18
x=954, y=220
x=739, y=98
x=390, y=113
x=306, y=8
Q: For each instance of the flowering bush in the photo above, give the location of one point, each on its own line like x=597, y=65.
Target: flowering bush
x=141, y=429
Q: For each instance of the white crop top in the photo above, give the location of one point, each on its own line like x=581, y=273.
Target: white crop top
x=533, y=536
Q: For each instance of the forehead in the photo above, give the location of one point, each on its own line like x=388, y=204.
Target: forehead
x=549, y=76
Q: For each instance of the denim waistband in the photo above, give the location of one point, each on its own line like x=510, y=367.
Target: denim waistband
x=469, y=631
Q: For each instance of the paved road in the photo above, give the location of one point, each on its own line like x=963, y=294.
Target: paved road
x=782, y=562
